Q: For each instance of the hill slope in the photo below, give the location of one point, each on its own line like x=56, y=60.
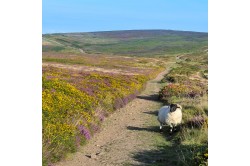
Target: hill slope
x=129, y=42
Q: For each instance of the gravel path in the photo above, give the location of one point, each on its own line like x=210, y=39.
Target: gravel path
x=127, y=131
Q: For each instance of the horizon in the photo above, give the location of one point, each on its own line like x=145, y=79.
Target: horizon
x=125, y=30
x=97, y=16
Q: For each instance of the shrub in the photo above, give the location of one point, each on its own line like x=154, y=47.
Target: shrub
x=75, y=103
x=180, y=90
x=197, y=121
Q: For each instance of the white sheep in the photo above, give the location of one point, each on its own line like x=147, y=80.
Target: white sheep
x=170, y=115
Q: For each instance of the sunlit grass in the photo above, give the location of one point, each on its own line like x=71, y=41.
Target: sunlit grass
x=191, y=142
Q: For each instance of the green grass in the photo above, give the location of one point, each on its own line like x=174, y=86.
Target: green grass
x=133, y=43
x=189, y=145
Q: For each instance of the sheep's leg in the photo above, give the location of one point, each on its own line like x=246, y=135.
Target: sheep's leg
x=161, y=126
x=171, y=128
x=175, y=128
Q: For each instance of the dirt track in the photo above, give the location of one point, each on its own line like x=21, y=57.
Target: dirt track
x=127, y=131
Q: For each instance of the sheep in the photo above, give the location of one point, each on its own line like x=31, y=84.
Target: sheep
x=170, y=115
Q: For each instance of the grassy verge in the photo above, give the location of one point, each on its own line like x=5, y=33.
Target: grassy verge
x=187, y=86
x=189, y=145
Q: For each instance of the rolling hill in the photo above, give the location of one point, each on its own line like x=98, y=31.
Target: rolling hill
x=128, y=42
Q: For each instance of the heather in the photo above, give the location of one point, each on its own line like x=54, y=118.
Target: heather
x=80, y=91
x=75, y=103
x=187, y=85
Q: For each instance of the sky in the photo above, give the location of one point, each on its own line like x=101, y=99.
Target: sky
x=61, y=16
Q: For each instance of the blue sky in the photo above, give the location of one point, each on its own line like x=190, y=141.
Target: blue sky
x=104, y=15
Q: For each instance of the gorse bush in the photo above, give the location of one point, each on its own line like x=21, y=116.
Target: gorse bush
x=75, y=103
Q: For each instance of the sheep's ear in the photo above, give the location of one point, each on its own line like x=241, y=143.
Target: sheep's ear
x=179, y=106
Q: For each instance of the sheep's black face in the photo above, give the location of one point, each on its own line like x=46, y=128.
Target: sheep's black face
x=173, y=107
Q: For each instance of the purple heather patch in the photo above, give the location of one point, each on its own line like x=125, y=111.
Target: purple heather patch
x=84, y=132
x=88, y=90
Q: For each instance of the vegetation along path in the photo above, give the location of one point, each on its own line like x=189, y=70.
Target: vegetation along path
x=127, y=132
